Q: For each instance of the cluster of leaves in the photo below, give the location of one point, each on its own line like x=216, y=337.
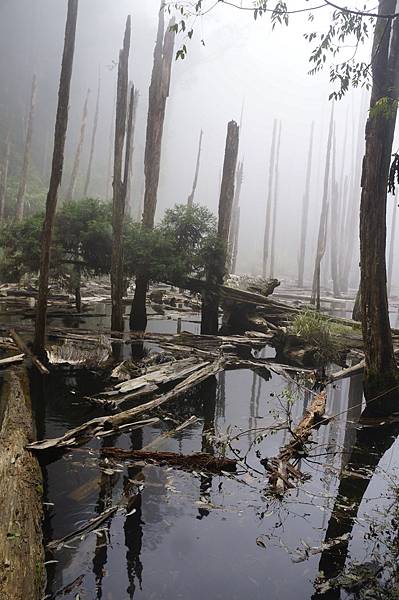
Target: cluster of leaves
x=182, y=245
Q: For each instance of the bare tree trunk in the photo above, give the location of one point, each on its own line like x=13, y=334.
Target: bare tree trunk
x=216, y=271
x=380, y=370
x=76, y=163
x=392, y=244
x=129, y=200
x=334, y=223
x=120, y=180
x=305, y=212
x=110, y=153
x=4, y=178
x=190, y=199
x=266, y=240
x=353, y=205
x=321, y=241
x=56, y=175
x=158, y=94
x=20, y=204
x=235, y=221
x=93, y=140
x=275, y=203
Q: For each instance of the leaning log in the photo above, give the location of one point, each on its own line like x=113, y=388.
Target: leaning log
x=21, y=549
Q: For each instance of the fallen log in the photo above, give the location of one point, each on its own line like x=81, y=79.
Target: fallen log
x=11, y=360
x=84, y=529
x=81, y=434
x=199, y=460
x=21, y=548
x=24, y=348
x=348, y=372
x=280, y=468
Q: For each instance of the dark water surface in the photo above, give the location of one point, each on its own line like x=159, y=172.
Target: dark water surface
x=181, y=535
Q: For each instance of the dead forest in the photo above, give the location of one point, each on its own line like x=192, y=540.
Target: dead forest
x=199, y=296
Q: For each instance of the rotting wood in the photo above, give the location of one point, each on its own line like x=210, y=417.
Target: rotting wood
x=24, y=348
x=11, y=360
x=21, y=548
x=348, y=372
x=199, y=460
x=280, y=469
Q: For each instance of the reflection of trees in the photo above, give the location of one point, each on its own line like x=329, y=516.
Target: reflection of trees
x=368, y=445
x=208, y=432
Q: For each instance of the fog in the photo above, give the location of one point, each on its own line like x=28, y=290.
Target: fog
x=243, y=69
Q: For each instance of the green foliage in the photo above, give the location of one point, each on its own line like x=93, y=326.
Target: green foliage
x=20, y=248
x=320, y=333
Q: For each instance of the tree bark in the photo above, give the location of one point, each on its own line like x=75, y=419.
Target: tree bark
x=56, y=175
x=76, y=163
x=266, y=240
x=110, y=154
x=321, y=241
x=334, y=223
x=119, y=183
x=275, y=203
x=392, y=244
x=93, y=140
x=4, y=178
x=20, y=204
x=216, y=271
x=21, y=488
x=235, y=223
x=130, y=178
x=190, y=199
x=378, y=349
x=305, y=212
x=158, y=95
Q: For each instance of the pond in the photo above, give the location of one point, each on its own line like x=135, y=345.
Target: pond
x=180, y=534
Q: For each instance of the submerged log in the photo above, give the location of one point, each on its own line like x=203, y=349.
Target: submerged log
x=280, y=468
x=21, y=549
x=199, y=460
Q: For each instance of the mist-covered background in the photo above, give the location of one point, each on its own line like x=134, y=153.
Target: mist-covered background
x=243, y=68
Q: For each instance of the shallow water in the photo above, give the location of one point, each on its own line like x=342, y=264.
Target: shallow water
x=191, y=535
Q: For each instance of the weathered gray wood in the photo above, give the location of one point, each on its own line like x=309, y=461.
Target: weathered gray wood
x=76, y=161
x=93, y=140
x=20, y=203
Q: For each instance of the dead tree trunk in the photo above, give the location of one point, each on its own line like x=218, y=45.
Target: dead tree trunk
x=110, y=153
x=380, y=370
x=334, y=223
x=235, y=222
x=392, y=244
x=119, y=184
x=4, y=178
x=216, y=271
x=93, y=140
x=61, y=124
x=21, y=546
x=76, y=161
x=305, y=212
x=321, y=241
x=190, y=199
x=158, y=95
x=275, y=203
x=266, y=240
x=20, y=204
x=129, y=200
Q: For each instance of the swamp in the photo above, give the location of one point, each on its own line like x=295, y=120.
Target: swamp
x=199, y=300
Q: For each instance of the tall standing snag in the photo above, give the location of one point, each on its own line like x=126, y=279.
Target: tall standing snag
x=78, y=153
x=20, y=205
x=266, y=240
x=190, y=199
x=275, y=204
x=235, y=221
x=93, y=140
x=210, y=297
x=4, y=178
x=305, y=212
x=61, y=124
x=120, y=181
x=129, y=196
x=158, y=95
x=321, y=240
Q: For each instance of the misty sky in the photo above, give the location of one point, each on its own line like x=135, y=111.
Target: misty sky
x=242, y=63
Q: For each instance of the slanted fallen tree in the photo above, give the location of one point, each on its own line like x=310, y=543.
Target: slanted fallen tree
x=21, y=547
x=283, y=469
